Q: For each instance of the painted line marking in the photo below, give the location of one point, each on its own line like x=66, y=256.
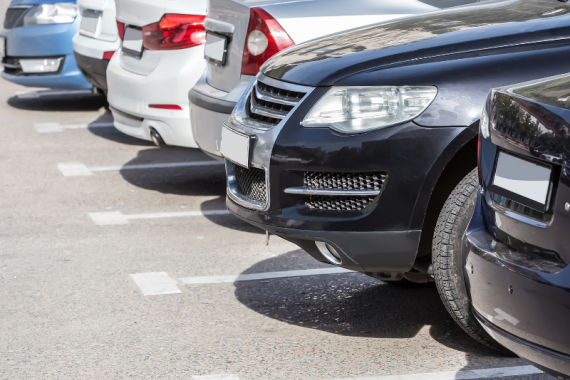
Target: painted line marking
x=459, y=375
x=72, y=169
x=161, y=283
x=57, y=127
x=261, y=276
x=116, y=217
x=223, y=376
x=38, y=94
x=155, y=283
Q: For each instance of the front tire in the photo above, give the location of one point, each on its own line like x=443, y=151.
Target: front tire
x=448, y=261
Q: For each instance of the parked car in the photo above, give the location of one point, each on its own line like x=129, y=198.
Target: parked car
x=509, y=240
x=35, y=44
x=96, y=41
x=243, y=35
x=350, y=145
x=161, y=58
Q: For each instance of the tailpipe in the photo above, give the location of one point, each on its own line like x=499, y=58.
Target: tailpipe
x=156, y=138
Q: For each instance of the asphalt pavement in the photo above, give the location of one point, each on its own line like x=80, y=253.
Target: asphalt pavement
x=118, y=259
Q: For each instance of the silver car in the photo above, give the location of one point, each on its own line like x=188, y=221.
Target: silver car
x=241, y=36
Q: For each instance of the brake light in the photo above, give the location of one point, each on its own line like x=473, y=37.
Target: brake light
x=108, y=55
x=265, y=38
x=166, y=106
x=121, y=29
x=175, y=31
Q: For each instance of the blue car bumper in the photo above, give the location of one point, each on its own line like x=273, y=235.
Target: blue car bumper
x=38, y=41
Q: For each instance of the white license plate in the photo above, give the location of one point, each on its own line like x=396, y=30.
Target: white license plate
x=521, y=178
x=216, y=49
x=89, y=22
x=133, y=42
x=2, y=47
x=235, y=146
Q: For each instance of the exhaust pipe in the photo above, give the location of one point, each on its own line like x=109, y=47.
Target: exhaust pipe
x=328, y=252
x=156, y=138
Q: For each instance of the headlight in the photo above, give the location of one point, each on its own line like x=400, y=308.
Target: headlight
x=484, y=125
x=60, y=13
x=362, y=109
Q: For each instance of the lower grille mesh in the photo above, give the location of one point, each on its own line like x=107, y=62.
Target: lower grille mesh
x=251, y=183
x=342, y=181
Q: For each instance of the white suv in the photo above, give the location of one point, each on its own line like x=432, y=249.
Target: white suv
x=242, y=35
x=161, y=58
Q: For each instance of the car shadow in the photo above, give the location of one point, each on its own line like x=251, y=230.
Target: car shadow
x=58, y=101
x=352, y=305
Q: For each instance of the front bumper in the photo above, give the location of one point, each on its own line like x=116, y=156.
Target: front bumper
x=39, y=41
x=520, y=299
x=168, y=83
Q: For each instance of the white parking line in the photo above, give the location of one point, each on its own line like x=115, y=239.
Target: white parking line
x=261, y=276
x=456, y=375
x=154, y=283
x=459, y=375
x=57, y=127
x=116, y=217
x=76, y=169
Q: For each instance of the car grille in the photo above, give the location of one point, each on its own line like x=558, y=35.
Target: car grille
x=13, y=15
x=269, y=104
x=251, y=183
x=342, y=181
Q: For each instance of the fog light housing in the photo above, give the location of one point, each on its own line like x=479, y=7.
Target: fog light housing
x=328, y=252
x=40, y=65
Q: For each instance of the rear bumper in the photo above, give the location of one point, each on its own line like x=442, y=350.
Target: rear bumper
x=370, y=251
x=209, y=109
x=168, y=83
x=521, y=299
x=93, y=69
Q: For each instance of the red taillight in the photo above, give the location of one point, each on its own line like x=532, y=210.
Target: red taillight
x=166, y=106
x=108, y=55
x=264, y=38
x=121, y=29
x=175, y=32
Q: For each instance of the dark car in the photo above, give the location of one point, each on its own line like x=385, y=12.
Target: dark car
x=510, y=239
x=350, y=145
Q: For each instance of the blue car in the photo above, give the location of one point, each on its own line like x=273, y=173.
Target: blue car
x=36, y=47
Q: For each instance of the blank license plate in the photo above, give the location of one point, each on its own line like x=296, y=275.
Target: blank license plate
x=89, y=22
x=133, y=42
x=235, y=146
x=216, y=49
x=2, y=47
x=518, y=178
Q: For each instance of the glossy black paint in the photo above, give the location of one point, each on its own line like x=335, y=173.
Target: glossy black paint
x=464, y=52
x=520, y=284
x=472, y=48
x=94, y=70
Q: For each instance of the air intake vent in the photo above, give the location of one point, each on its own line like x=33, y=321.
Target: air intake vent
x=13, y=16
x=348, y=191
x=269, y=104
x=251, y=183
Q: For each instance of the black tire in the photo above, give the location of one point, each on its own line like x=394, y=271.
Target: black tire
x=448, y=261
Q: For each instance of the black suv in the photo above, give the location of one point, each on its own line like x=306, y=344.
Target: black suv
x=350, y=145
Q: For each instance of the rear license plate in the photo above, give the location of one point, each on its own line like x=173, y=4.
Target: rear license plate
x=522, y=181
x=133, y=42
x=235, y=146
x=89, y=22
x=216, y=49
x=2, y=47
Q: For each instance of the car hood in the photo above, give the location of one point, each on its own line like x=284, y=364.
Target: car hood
x=486, y=27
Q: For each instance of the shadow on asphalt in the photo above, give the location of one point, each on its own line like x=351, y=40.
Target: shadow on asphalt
x=60, y=103
x=352, y=304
